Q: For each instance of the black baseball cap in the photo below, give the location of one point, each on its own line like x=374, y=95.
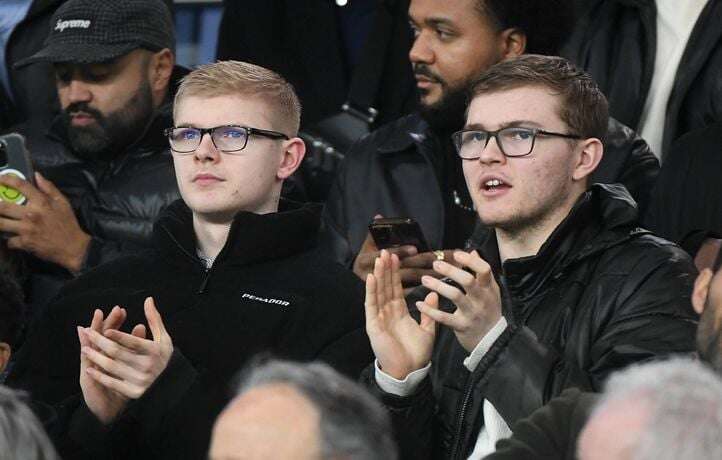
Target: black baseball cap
x=91, y=31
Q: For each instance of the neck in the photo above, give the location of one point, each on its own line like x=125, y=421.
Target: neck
x=210, y=236
x=527, y=240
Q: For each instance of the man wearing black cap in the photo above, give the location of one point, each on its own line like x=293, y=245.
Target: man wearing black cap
x=114, y=65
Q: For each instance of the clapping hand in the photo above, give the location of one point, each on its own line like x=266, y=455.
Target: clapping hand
x=401, y=345
x=478, y=306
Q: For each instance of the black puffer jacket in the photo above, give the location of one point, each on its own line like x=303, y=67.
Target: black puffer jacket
x=268, y=291
x=600, y=294
x=616, y=41
x=390, y=172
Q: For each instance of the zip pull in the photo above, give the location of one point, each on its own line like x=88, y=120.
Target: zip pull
x=204, y=283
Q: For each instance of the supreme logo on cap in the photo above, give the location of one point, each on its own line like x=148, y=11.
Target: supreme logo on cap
x=61, y=25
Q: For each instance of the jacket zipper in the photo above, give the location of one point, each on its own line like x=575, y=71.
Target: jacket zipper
x=455, y=452
x=207, y=271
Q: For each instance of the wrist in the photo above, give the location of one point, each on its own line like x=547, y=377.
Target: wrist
x=76, y=255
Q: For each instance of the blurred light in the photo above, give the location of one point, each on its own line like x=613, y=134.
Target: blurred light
x=342, y=2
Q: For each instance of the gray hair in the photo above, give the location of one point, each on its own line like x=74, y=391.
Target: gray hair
x=21, y=434
x=684, y=401
x=353, y=424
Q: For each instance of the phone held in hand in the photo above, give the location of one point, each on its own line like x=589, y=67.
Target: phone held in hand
x=14, y=160
x=391, y=232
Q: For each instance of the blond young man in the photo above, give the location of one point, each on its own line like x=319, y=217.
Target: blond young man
x=233, y=273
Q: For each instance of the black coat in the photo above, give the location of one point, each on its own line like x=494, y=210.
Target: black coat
x=33, y=86
x=268, y=291
x=390, y=172
x=615, y=41
x=550, y=432
x=600, y=295
x=688, y=196
x=301, y=41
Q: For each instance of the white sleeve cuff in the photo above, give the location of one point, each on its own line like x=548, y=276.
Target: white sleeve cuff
x=485, y=344
x=400, y=387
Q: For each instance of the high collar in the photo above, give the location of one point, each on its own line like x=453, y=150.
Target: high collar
x=252, y=238
x=603, y=217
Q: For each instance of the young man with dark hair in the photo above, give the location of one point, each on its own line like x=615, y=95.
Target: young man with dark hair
x=565, y=289
x=233, y=272
x=409, y=168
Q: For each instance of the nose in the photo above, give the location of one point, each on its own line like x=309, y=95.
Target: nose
x=491, y=152
x=421, y=51
x=207, y=151
x=78, y=91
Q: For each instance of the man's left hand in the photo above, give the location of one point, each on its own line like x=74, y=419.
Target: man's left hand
x=477, y=310
x=46, y=225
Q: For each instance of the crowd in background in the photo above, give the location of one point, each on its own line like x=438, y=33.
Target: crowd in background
x=189, y=259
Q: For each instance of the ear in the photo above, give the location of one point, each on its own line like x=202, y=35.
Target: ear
x=294, y=151
x=5, y=352
x=513, y=43
x=160, y=70
x=701, y=290
x=590, y=154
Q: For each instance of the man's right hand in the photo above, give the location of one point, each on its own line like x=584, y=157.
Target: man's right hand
x=103, y=402
x=412, y=264
x=401, y=345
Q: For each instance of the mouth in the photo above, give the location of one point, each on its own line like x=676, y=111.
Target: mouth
x=494, y=186
x=206, y=179
x=81, y=118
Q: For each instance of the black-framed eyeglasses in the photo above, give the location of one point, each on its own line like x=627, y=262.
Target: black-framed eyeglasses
x=512, y=141
x=227, y=139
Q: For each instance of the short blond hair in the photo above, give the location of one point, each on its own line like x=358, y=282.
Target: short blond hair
x=236, y=78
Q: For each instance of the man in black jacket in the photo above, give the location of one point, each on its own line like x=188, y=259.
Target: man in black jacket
x=565, y=289
x=232, y=274
x=658, y=63
x=409, y=168
x=114, y=70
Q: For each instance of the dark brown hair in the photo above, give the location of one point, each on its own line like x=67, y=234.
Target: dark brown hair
x=582, y=105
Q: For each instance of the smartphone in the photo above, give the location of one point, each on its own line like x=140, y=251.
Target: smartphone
x=391, y=232
x=14, y=160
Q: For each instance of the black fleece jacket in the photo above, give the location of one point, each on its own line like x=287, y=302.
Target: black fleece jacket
x=268, y=291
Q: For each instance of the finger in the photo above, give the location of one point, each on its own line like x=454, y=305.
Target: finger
x=96, y=323
x=397, y=289
x=22, y=186
x=370, y=306
x=423, y=260
x=16, y=242
x=11, y=225
x=116, y=351
x=115, y=318
x=48, y=188
x=112, y=366
x=445, y=290
x=427, y=323
x=139, y=331
x=404, y=252
x=130, y=341
x=379, y=274
x=11, y=210
x=412, y=276
x=119, y=386
x=155, y=322
x=82, y=337
x=439, y=316
x=474, y=261
x=446, y=270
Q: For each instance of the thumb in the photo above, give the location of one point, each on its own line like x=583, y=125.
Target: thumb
x=155, y=322
x=48, y=187
x=369, y=245
x=427, y=323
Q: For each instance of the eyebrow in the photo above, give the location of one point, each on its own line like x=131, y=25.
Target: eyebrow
x=509, y=124
x=434, y=21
